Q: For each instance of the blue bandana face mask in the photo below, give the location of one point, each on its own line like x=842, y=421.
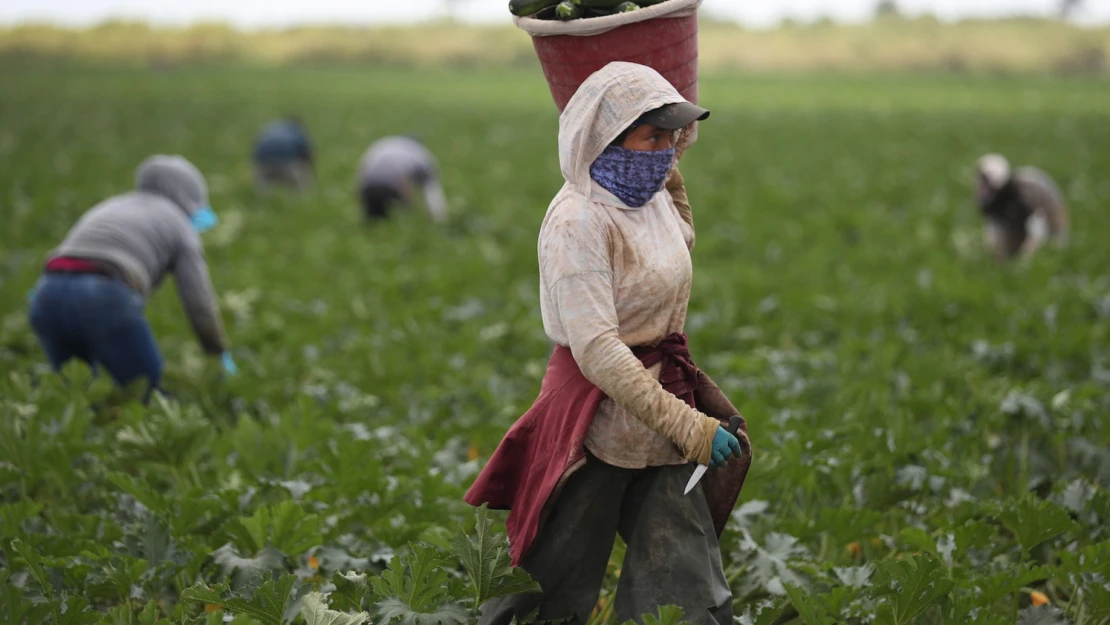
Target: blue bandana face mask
x=203, y=219
x=633, y=176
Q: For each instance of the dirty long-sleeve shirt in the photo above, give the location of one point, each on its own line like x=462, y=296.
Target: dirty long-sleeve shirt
x=612, y=277
x=605, y=266
x=145, y=236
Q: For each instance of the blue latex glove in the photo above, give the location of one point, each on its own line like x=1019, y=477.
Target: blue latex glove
x=229, y=363
x=724, y=445
x=204, y=219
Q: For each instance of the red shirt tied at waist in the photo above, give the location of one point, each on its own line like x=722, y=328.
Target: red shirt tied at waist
x=65, y=264
x=547, y=444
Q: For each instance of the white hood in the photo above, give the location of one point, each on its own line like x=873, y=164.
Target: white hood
x=607, y=102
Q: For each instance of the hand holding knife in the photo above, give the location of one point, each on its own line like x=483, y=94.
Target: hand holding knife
x=726, y=443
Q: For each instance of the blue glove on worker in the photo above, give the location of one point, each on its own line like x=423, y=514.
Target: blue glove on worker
x=724, y=445
x=229, y=363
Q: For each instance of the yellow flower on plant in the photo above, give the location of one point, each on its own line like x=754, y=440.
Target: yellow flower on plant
x=1039, y=598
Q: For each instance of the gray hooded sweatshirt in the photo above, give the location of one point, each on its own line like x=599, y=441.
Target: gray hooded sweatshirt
x=147, y=233
x=400, y=163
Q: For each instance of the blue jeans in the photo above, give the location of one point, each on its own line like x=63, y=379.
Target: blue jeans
x=98, y=320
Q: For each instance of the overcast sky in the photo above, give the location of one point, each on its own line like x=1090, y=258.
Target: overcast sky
x=254, y=13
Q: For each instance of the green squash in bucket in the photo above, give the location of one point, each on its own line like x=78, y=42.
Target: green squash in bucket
x=615, y=4
x=567, y=10
x=522, y=8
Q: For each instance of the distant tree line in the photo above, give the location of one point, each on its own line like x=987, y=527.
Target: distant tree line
x=886, y=9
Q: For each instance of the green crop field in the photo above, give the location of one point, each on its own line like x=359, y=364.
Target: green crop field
x=930, y=428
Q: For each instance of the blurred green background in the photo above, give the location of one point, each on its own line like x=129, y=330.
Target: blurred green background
x=909, y=399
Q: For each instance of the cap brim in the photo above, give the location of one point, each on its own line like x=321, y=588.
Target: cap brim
x=675, y=116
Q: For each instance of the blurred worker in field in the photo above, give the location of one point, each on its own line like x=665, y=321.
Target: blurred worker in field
x=283, y=155
x=392, y=170
x=626, y=424
x=1021, y=209
x=89, y=302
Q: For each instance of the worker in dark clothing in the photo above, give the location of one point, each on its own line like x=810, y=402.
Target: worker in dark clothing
x=1022, y=209
x=283, y=155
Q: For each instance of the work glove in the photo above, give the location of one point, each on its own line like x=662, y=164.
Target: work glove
x=228, y=363
x=724, y=446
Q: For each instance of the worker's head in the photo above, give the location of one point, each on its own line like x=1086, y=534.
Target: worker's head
x=656, y=130
x=992, y=173
x=636, y=164
x=178, y=180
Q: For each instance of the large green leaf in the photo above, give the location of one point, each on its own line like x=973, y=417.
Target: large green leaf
x=394, y=611
x=417, y=579
x=910, y=586
x=16, y=607
x=169, y=436
x=155, y=501
x=1090, y=559
x=75, y=611
x=35, y=565
x=285, y=526
x=918, y=539
x=119, y=615
x=151, y=541
x=316, y=612
x=485, y=557
x=243, y=571
x=14, y=514
x=1033, y=521
x=415, y=590
x=149, y=614
x=1008, y=580
x=809, y=609
x=768, y=567
x=268, y=605
x=352, y=590
x=975, y=534
x=117, y=578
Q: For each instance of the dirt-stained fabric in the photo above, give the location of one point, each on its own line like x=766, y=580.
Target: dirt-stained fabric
x=545, y=447
x=672, y=555
x=612, y=277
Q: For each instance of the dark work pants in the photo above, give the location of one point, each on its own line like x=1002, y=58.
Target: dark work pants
x=672, y=555
x=377, y=200
x=296, y=173
x=98, y=320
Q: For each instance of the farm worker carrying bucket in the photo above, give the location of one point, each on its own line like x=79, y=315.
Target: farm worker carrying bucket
x=627, y=436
